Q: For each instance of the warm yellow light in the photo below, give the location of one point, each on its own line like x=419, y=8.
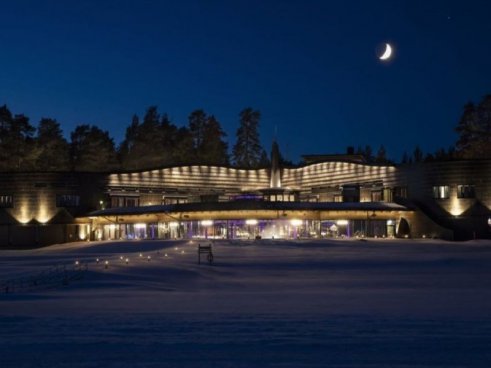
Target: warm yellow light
x=251, y=222
x=140, y=226
x=207, y=223
x=173, y=224
x=456, y=207
x=342, y=222
x=23, y=217
x=296, y=222
x=43, y=215
x=82, y=232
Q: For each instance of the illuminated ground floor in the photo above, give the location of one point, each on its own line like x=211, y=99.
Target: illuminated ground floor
x=248, y=229
x=249, y=221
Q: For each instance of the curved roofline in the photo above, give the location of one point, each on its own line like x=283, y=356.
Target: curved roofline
x=120, y=171
x=344, y=161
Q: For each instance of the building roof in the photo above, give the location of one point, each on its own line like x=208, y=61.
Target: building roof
x=251, y=205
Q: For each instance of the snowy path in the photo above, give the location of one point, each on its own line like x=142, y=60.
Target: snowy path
x=272, y=304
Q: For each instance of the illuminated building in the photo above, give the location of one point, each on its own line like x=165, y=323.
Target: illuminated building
x=328, y=196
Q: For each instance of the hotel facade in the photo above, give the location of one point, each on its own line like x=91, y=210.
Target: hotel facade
x=328, y=196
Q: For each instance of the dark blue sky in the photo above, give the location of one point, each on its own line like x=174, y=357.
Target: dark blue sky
x=309, y=66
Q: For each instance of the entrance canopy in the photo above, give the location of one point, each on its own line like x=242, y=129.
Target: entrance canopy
x=248, y=209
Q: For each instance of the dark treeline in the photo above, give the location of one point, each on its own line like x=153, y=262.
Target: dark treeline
x=154, y=141
x=150, y=142
x=474, y=140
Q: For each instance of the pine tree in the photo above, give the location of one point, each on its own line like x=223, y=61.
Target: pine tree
x=418, y=154
x=92, y=149
x=126, y=150
x=214, y=148
x=54, y=154
x=183, y=152
x=474, y=129
x=381, y=157
x=207, y=137
x=368, y=154
x=197, y=122
x=17, y=151
x=148, y=144
x=247, y=151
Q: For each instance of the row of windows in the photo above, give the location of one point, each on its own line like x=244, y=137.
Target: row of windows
x=463, y=191
x=349, y=194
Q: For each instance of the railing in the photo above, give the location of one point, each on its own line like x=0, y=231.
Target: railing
x=51, y=278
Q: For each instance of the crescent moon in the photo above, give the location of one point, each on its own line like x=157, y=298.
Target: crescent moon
x=387, y=53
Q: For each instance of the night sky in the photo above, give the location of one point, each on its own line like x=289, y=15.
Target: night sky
x=310, y=67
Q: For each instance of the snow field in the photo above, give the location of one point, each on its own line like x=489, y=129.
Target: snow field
x=346, y=303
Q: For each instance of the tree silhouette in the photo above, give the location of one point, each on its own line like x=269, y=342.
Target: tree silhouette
x=183, y=148
x=92, y=149
x=128, y=149
x=418, y=154
x=197, y=122
x=53, y=148
x=381, y=157
x=214, y=148
x=17, y=149
x=150, y=143
x=474, y=129
x=207, y=138
x=247, y=151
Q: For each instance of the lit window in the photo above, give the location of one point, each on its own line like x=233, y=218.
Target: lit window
x=338, y=198
x=6, y=201
x=387, y=195
x=466, y=191
x=440, y=192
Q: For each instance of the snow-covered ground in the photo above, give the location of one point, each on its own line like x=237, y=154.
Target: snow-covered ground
x=346, y=303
